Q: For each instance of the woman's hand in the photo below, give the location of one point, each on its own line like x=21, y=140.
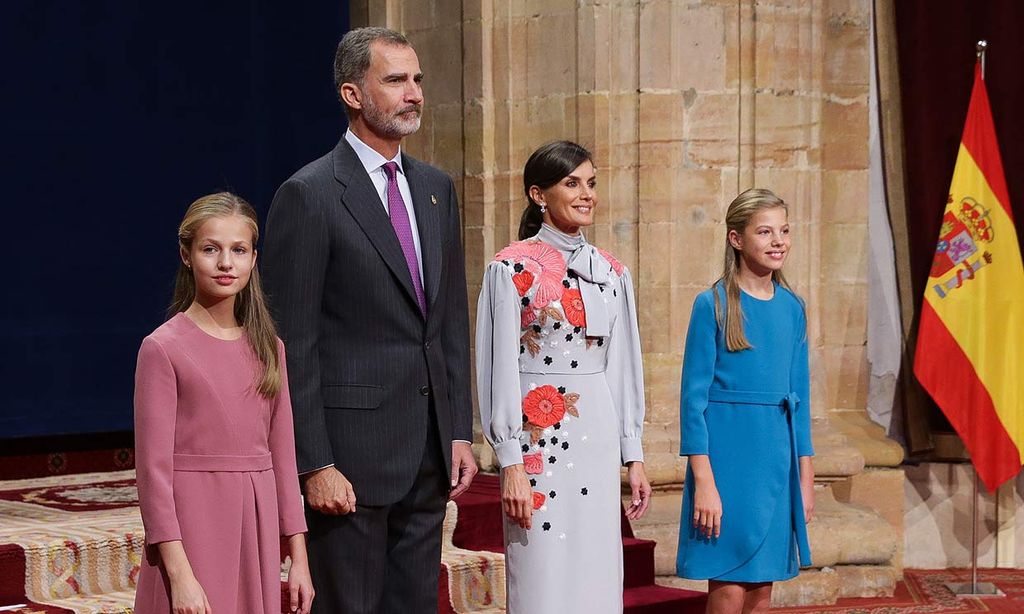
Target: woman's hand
x=807, y=487
x=641, y=488
x=517, y=495
x=707, y=504
x=187, y=595
x=300, y=583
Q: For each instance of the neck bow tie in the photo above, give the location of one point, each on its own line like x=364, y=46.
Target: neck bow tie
x=594, y=273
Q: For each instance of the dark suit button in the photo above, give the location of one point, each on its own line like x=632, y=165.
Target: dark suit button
x=426, y=345
x=425, y=390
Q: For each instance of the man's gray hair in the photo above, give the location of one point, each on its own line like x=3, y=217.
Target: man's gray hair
x=352, y=58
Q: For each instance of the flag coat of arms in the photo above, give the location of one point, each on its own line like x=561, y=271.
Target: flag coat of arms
x=970, y=346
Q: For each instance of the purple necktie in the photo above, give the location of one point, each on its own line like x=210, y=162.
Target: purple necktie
x=403, y=229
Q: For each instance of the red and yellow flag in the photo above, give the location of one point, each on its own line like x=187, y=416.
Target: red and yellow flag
x=970, y=345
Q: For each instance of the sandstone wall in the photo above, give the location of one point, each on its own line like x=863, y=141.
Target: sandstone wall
x=684, y=104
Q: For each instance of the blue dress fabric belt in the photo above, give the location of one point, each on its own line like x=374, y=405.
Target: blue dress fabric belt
x=788, y=401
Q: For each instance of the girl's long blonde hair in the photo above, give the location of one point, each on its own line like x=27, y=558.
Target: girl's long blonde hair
x=741, y=209
x=250, y=304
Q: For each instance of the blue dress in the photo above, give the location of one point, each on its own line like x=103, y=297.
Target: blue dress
x=749, y=412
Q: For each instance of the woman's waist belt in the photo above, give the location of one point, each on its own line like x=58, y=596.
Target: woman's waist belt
x=754, y=397
x=222, y=462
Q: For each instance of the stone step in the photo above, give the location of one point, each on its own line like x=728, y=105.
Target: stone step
x=840, y=534
x=849, y=534
x=817, y=586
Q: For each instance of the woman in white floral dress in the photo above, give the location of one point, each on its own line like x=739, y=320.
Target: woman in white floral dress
x=560, y=380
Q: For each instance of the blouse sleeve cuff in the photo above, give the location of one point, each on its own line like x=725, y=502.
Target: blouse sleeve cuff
x=158, y=536
x=292, y=526
x=509, y=453
x=693, y=450
x=632, y=449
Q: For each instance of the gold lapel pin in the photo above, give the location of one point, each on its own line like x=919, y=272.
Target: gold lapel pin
x=433, y=199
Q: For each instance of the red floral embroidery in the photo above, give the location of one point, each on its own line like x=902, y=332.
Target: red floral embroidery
x=534, y=463
x=542, y=261
x=538, y=500
x=523, y=280
x=572, y=305
x=544, y=406
x=527, y=317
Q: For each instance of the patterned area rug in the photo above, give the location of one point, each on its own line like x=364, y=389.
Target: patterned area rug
x=924, y=591
x=73, y=544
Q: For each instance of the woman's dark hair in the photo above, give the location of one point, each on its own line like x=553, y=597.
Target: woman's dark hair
x=547, y=166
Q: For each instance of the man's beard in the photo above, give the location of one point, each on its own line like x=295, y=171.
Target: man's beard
x=397, y=126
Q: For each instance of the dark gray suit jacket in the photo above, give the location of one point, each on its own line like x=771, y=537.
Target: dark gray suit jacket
x=363, y=365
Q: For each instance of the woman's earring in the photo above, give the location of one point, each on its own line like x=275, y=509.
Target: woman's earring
x=543, y=209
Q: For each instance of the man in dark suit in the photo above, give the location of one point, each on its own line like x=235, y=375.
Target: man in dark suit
x=364, y=266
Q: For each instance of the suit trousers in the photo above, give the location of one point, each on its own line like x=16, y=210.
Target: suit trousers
x=383, y=559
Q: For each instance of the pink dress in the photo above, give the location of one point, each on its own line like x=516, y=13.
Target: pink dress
x=216, y=469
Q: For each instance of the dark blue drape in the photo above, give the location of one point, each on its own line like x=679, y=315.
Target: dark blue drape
x=116, y=116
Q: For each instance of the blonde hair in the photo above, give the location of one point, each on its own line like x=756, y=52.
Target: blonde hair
x=741, y=209
x=250, y=304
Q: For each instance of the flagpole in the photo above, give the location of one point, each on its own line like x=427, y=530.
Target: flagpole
x=975, y=588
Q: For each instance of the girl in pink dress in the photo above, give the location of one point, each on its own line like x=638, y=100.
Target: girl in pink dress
x=215, y=452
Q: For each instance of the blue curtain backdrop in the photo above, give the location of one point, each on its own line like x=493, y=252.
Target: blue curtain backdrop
x=117, y=115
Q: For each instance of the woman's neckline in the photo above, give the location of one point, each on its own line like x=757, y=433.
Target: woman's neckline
x=195, y=325
x=555, y=237
x=775, y=292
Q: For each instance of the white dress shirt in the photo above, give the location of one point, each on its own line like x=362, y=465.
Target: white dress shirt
x=374, y=163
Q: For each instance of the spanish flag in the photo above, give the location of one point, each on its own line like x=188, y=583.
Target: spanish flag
x=970, y=346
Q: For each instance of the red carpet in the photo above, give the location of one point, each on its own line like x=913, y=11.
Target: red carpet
x=479, y=528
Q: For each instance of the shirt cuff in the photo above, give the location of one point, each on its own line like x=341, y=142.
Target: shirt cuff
x=632, y=449
x=509, y=453
x=462, y=441
x=317, y=469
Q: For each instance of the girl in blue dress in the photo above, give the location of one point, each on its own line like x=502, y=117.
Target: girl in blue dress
x=745, y=418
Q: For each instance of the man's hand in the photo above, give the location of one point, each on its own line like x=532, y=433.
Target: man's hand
x=328, y=492
x=463, y=468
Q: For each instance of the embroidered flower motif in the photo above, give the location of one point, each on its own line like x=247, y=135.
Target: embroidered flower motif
x=523, y=280
x=572, y=304
x=534, y=463
x=616, y=265
x=542, y=261
x=527, y=317
x=544, y=406
x=538, y=500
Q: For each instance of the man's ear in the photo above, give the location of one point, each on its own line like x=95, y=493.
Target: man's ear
x=351, y=95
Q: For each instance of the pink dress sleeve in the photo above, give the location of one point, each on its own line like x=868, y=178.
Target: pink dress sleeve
x=282, y=449
x=156, y=406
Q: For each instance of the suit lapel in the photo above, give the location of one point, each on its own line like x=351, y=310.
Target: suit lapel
x=428, y=220
x=362, y=201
